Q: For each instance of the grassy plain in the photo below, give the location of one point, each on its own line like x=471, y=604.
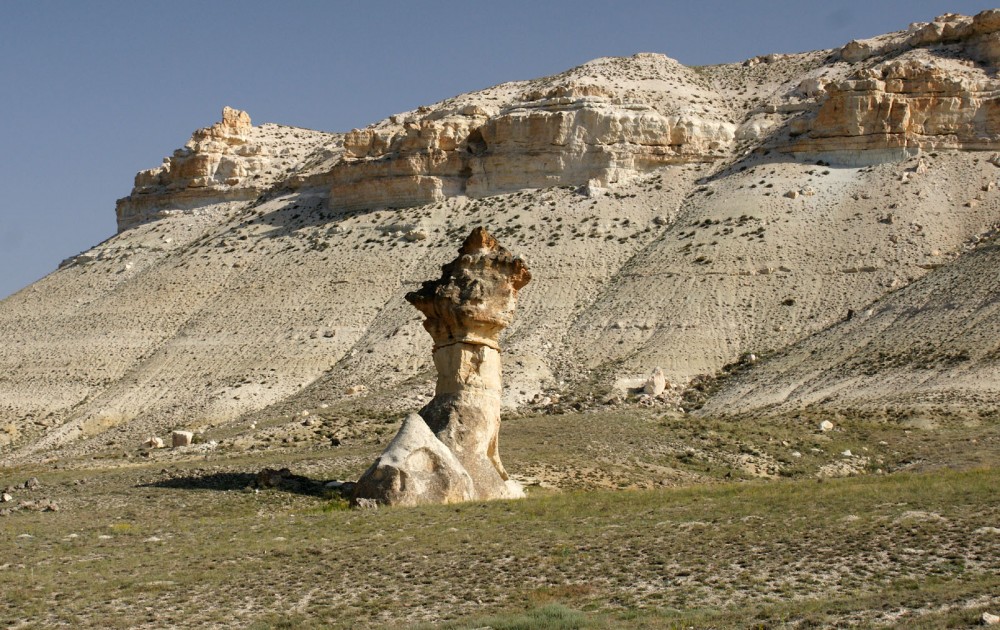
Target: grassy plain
x=635, y=519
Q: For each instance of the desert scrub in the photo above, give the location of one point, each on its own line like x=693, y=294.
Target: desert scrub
x=781, y=552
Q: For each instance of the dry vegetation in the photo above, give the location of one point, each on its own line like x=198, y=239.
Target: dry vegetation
x=189, y=542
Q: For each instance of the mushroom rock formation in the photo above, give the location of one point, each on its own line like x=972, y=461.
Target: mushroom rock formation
x=465, y=310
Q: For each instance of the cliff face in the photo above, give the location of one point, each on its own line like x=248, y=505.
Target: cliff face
x=230, y=161
x=581, y=128
x=673, y=217
x=930, y=88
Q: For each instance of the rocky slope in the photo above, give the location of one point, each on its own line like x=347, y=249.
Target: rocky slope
x=672, y=216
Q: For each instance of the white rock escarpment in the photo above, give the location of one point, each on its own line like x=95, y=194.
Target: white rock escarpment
x=662, y=238
x=580, y=130
x=229, y=161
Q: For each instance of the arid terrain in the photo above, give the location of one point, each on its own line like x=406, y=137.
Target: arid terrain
x=805, y=244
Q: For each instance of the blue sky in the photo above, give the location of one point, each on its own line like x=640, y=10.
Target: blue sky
x=94, y=91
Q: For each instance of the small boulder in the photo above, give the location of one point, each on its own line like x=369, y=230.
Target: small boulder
x=153, y=442
x=988, y=619
x=354, y=390
x=418, y=234
x=5, y=498
x=856, y=50
x=416, y=468
x=32, y=483
x=181, y=438
x=656, y=383
x=792, y=194
x=825, y=426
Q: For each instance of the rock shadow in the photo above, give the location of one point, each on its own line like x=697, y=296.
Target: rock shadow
x=283, y=480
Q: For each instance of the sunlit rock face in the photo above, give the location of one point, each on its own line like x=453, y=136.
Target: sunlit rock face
x=921, y=89
x=579, y=130
x=466, y=310
x=230, y=161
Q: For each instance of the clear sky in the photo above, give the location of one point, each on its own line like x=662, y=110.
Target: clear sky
x=91, y=92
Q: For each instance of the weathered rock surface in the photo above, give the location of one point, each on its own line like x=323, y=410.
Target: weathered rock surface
x=415, y=468
x=229, y=161
x=656, y=383
x=181, y=438
x=582, y=129
x=465, y=310
x=902, y=100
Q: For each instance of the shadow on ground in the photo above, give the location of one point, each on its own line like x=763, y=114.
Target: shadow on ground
x=267, y=478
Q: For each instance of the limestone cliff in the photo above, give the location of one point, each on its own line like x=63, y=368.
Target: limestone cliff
x=229, y=161
x=580, y=129
x=929, y=88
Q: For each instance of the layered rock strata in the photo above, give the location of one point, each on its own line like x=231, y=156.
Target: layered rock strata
x=902, y=100
x=573, y=133
x=450, y=451
x=902, y=104
x=229, y=161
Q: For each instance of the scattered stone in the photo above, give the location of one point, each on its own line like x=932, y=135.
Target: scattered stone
x=153, y=442
x=825, y=426
x=355, y=390
x=792, y=194
x=6, y=498
x=848, y=453
x=181, y=438
x=32, y=483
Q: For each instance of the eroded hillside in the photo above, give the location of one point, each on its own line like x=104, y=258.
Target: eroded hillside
x=672, y=216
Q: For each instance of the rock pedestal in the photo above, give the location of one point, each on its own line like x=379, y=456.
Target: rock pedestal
x=466, y=310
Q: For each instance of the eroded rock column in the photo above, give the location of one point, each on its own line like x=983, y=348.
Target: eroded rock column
x=466, y=310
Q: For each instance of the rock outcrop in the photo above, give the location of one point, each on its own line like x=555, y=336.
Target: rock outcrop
x=229, y=161
x=902, y=100
x=903, y=104
x=416, y=468
x=578, y=131
x=977, y=37
x=450, y=451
